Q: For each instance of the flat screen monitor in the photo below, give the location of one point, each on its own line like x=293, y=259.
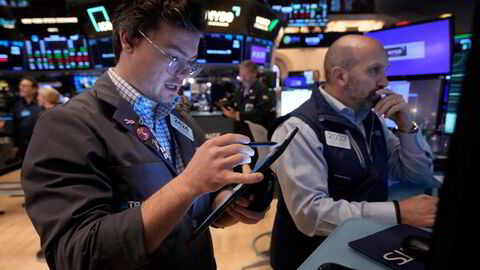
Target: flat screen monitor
x=82, y=82
x=57, y=52
x=217, y=48
x=304, y=13
x=101, y=50
x=299, y=79
x=292, y=99
x=423, y=97
x=258, y=50
x=419, y=49
x=461, y=50
x=12, y=55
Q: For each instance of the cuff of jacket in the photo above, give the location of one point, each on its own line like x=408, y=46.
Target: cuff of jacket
x=127, y=240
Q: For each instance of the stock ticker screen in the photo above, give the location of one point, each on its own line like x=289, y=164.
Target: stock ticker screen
x=57, y=52
x=12, y=55
x=304, y=13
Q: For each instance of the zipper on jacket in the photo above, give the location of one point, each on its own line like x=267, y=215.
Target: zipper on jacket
x=356, y=148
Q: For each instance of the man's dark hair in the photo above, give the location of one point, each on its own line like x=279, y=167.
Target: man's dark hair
x=146, y=16
x=32, y=80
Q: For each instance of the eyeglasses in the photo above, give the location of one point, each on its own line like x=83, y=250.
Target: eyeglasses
x=177, y=66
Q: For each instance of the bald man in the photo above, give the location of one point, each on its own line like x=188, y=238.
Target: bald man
x=338, y=164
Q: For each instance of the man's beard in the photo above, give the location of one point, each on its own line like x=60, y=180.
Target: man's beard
x=367, y=103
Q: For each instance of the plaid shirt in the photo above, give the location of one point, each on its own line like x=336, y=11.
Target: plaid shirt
x=155, y=121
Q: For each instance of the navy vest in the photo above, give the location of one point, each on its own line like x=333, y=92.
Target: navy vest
x=356, y=174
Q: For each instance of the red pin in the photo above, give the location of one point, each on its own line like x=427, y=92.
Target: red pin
x=143, y=133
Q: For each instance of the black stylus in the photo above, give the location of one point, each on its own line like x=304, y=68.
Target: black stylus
x=261, y=144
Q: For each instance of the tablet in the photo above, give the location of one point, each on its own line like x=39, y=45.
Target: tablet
x=261, y=166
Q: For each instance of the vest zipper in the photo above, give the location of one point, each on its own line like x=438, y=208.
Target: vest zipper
x=356, y=148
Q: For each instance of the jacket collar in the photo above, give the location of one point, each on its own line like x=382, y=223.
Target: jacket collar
x=104, y=89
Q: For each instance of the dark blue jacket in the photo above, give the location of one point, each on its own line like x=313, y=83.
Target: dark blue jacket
x=356, y=174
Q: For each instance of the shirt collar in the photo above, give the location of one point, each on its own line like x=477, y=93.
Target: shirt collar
x=343, y=109
x=138, y=101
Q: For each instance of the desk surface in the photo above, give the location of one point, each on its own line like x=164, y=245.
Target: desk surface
x=335, y=248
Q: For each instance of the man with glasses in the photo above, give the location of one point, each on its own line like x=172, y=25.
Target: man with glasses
x=117, y=179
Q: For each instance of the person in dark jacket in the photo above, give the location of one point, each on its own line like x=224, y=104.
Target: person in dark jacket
x=25, y=115
x=252, y=101
x=338, y=164
x=116, y=178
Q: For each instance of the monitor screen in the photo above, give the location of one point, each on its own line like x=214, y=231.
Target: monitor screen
x=82, y=82
x=461, y=50
x=57, y=52
x=419, y=49
x=299, y=79
x=220, y=49
x=258, y=50
x=292, y=99
x=12, y=55
x=102, y=52
x=423, y=97
x=304, y=13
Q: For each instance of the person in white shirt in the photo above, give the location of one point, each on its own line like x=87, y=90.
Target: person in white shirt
x=338, y=165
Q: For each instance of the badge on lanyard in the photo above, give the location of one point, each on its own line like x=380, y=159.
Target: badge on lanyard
x=25, y=113
x=337, y=140
x=248, y=107
x=181, y=127
x=143, y=133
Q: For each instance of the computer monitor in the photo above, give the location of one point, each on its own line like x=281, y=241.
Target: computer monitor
x=258, y=50
x=299, y=79
x=304, y=13
x=57, y=52
x=101, y=50
x=418, y=49
x=292, y=99
x=218, y=48
x=423, y=98
x=83, y=82
x=12, y=55
x=461, y=49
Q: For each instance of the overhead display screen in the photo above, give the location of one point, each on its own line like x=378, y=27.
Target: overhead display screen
x=419, y=49
x=57, y=52
x=304, y=13
x=217, y=48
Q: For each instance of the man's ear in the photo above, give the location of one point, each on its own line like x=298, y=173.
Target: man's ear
x=127, y=45
x=340, y=76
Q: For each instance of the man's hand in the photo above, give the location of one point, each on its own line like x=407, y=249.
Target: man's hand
x=237, y=211
x=419, y=211
x=212, y=165
x=230, y=112
x=393, y=106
